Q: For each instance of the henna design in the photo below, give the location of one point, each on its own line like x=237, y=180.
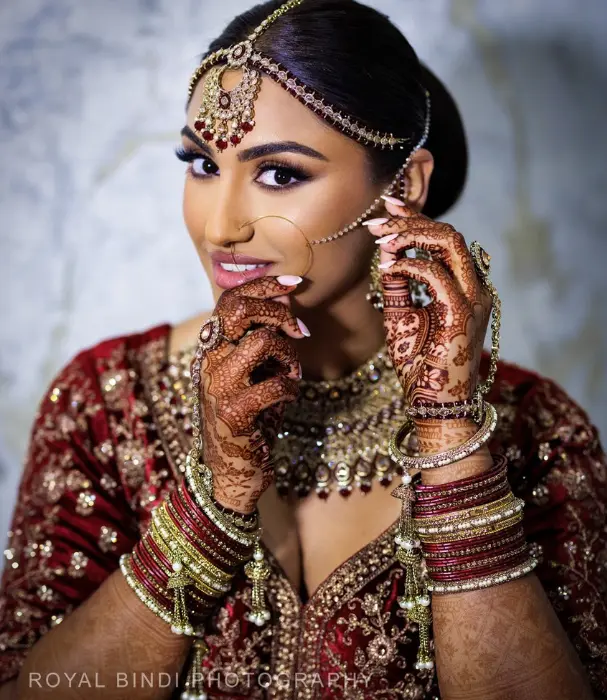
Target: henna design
x=436, y=350
x=245, y=384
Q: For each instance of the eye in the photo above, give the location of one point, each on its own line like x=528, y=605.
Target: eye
x=204, y=166
x=279, y=176
x=200, y=166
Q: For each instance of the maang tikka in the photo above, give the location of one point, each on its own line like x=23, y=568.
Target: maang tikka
x=226, y=116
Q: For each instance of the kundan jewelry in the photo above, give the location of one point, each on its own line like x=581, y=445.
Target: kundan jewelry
x=226, y=116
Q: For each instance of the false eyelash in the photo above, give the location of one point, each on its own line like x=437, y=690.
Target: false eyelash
x=187, y=155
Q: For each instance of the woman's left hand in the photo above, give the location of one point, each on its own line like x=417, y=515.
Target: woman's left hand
x=435, y=349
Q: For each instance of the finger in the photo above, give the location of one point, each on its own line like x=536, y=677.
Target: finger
x=260, y=345
x=432, y=273
x=240, y=313
x=259, y=397
x=444, y=243
x=265, y=287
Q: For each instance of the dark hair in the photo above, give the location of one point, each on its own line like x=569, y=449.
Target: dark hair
x=358, y=61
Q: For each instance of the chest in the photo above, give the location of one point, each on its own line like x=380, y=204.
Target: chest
x=312, y=537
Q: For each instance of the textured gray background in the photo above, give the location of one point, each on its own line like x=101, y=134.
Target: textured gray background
x=91, y=238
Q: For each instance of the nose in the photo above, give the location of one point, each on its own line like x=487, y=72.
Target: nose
x=226, y=218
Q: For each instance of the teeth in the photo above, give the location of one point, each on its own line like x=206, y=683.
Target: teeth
x=230, y=267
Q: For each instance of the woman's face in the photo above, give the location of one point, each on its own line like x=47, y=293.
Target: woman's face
x=292, y=165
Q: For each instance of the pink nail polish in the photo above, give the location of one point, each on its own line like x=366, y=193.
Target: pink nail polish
x=303, y=328
x=387, y=264
x=387, y=239
x=393, y=200
x=289, y=280
x=375, y=222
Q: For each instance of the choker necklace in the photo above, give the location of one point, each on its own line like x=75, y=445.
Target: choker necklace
x=335, y=435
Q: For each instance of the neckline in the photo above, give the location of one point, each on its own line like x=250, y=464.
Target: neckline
x=333, y=575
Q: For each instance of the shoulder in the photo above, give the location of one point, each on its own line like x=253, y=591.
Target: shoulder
x=537, y=409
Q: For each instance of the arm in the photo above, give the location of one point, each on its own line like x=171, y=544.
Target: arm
x=504, y=641
x=63, y=606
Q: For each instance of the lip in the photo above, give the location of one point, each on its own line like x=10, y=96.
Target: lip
x=228, y=280
x=218, y=256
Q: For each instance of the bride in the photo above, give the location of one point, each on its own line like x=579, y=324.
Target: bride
x=323, y=487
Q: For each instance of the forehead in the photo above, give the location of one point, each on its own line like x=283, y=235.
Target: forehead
x=280, y=117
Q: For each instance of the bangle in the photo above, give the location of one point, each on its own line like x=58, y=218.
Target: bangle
x=164, y=520
x=221, y=540
x=442, y=459
x=200, y=481
x=486, y=581
x=455, y=409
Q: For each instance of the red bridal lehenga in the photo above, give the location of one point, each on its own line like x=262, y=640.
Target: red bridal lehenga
x=109, y=442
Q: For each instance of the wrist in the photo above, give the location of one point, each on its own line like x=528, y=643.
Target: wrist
x=440, y=435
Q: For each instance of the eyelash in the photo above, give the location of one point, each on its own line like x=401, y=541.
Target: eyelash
x=188, y=156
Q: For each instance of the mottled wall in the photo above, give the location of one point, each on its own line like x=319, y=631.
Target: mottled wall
x=91, y=238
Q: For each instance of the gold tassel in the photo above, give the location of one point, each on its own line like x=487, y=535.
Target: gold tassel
x=193, y=689
x=416, y=600
x=258, y=571
x=178, y=581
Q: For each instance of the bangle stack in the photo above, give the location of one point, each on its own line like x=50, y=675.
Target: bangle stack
x=471, y=548
x=466, y=534
x=189, y=555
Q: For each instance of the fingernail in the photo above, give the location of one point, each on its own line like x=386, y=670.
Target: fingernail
x=387, y=239
x=393, y=200
x=289, y=280
x=300, y=372
x=375, y=222
x=387, y=264
x=303, y=328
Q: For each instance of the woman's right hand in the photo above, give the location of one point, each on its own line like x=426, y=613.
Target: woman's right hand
x=241, y=410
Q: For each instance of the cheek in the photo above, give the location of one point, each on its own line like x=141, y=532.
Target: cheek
x=193, y=211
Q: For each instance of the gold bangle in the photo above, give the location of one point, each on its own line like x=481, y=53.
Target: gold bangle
x=468, y=513
x=150, y=552
x=203, y=545
x=442, y=459
x=491, y=528
x=201, y=486
x=487, y=547
x=500, y=515
x=203, y=582
x=485, y=581
x=164, y=520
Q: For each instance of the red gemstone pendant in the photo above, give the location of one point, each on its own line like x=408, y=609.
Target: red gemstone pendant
x=199, y=125
x=221, y=144
x=235, y=139
x=247, y=126
x=207, y=135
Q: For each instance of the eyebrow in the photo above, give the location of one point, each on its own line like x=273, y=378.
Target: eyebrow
x=264, y=149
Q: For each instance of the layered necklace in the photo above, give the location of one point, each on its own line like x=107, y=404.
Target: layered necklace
x=335, y=435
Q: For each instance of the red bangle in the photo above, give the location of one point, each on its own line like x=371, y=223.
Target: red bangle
x=143, y=580
x=207, y=523
x=502, y=567
x=470, y=541
x=430, y=510
x=210, y=547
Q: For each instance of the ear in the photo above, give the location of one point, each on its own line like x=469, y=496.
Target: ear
x=417, y=178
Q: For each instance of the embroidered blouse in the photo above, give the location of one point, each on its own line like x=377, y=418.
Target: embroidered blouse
x=109, y=442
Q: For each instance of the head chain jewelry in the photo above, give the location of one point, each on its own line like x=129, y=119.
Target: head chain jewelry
x=226, y=116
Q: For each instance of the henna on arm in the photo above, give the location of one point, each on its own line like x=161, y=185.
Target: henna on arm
x=500, y=642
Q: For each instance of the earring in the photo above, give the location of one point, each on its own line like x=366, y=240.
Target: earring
x=375, y=295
